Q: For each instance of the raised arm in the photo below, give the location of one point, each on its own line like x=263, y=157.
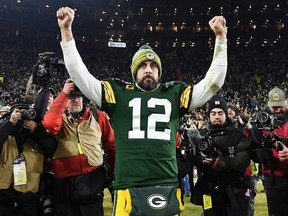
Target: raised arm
x=215, y=76
x=86, y=82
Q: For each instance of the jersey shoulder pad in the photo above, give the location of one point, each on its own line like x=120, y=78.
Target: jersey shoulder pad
x=116, y=83
x=174, y=83
x=120, y=82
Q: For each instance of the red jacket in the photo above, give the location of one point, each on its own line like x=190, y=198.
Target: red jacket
x=77, y=165
x=280, y=168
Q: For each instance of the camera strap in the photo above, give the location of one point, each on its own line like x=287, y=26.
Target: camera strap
x=19, y=141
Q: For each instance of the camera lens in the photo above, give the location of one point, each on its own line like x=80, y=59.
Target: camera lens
x=263, y=118
x=29, y=114
x=203, y=146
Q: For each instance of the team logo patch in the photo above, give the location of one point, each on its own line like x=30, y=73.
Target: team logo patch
x=130, y=87
x=157, y=201
x=217, y=102
x=276, y=97
x=150, y=55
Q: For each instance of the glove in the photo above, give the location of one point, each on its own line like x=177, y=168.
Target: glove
x=219, y=164
x=262, y=155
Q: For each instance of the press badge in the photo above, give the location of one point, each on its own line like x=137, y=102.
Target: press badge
x=19, y=170
x=207, y=201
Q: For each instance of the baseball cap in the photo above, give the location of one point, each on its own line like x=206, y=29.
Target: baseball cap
x=277, y=97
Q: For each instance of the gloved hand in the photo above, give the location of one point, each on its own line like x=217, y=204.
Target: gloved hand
x=220, y=163
x=262, y=155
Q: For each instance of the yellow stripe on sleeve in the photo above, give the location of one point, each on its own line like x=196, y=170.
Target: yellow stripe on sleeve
x=185, y=96
x=109, y=93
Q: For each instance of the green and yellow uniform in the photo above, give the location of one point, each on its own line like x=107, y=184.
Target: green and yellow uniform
x=145, y=125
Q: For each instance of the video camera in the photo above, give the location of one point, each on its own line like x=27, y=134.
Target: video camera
x=47, y=66
x=202, y=145
x=265, y=121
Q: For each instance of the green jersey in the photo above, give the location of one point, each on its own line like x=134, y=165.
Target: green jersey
x=145, y=126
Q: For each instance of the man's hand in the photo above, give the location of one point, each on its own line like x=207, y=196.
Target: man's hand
x=283, y=154
x=30, y=125
x=65, y=17
x=15, y=116
x=208, y=161
x=218, y=25
x=69, y=86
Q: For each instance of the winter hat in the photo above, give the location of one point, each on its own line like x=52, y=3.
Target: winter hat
x=277, y=97
x=19, y=105
x=217, y=102
x=52, y=90
x=145, y=53
x=233, y=107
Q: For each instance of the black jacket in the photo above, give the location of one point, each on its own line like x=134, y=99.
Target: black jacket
x=231, y=157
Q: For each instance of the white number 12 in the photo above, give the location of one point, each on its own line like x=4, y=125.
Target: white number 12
x=136, y=132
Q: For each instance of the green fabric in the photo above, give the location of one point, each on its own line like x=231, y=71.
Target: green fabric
x=153, y=201
x=148, y=159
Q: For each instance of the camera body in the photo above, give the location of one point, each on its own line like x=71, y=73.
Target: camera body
x=29, y=114
x=47, y=66
x=201, y=146
x=265, y=121
x=268, y=122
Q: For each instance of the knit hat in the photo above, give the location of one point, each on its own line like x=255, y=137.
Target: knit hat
x=277, y=97
x=145, y=53
x=233, y=107
x=217, y=102
x=19, y=105
x=53, y=92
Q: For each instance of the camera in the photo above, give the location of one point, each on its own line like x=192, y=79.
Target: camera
x=47, y=66
x=265, y=121
x=205, y=148
x=29, y=114
x=202, y=146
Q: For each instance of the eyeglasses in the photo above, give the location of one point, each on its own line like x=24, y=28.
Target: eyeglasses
x=74, y=97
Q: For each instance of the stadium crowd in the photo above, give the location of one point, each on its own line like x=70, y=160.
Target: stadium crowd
x=252, y=70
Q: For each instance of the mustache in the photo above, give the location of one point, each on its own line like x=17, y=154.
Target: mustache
x=148, y=76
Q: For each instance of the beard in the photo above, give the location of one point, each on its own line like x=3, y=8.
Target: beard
x=148, y=83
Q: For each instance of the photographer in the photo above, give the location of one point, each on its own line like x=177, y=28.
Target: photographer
x=268, y=138
x=220, y=189
x=250, y=178
x=78, y=160
x=23, y=144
